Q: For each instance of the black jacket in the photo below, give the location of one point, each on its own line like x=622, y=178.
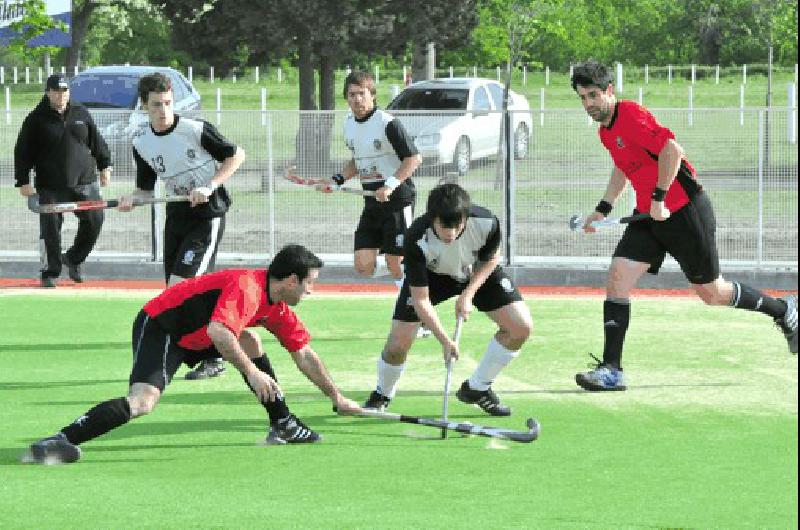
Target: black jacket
x=63, y=151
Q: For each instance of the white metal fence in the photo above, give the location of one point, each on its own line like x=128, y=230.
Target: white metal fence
x=746, y=160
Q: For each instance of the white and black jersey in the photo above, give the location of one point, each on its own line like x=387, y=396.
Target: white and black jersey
x=184, y=157
x=379, y=143
x=424, y=251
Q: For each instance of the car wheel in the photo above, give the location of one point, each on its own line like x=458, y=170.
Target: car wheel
x=461, y=156
x=521, y=140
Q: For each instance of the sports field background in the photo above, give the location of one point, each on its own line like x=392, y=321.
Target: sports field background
x=705, y=437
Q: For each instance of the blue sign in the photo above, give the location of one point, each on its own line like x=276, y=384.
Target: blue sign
x=61, y=10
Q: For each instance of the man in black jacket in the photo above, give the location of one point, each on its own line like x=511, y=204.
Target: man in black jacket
x=61, y=143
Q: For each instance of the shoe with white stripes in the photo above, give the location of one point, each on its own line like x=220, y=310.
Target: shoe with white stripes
x=207, y=368
x=291, y=430
x=485, y=399
x=376, y=401
x=788, y=322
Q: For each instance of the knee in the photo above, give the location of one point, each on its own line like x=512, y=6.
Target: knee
x=142, y=404
x=711, y=296
x=250, y=342
x=394, y=353
x=364, y=267
x=514, y=336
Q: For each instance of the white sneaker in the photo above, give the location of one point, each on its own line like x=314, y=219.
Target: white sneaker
x=423, y=332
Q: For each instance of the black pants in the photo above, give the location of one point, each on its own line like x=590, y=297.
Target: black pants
x=89, y=224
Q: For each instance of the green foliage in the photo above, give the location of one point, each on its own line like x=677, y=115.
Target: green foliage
x=33, y=23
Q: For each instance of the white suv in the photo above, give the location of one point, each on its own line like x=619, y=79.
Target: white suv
x=465, y=122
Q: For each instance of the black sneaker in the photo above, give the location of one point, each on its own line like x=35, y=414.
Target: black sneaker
x=485, y=399
x=48, y=282
x=788, y=322
x=291, y=430
x=73, y=270
x=54, y=450
x=207, y=368
x=377, y=401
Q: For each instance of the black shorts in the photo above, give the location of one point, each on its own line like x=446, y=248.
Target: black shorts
x=190, y=245
x=497, y=291
x=688, y=235
x=383, y=229
x=156, y=356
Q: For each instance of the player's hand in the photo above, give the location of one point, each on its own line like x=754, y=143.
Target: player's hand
x=343, y=405
x=125, y=203
x=658, y=211
x=464, y=305
x=264, y=386
x=449, y=349
x=26, y=190
x=326, y=186
x=383, y=193
x=200, y=195
x=105, y=176
x=587, y=224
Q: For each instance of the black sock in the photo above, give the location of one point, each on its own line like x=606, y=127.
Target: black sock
x=616, y=316
x=745, y=297
x=98, y=420
x=277, y=409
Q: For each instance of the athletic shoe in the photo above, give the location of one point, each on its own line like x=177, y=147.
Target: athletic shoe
x=788, y=322
x=48, y=282
x=601, y=378
x=54, y=450
x=377, y=401
x=291, y=430
x=207, y=368
x=73, y=270
x=423, y=332
x=485, y=399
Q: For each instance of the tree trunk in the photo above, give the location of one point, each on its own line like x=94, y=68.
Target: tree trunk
x=80, y=27
x=327, y=95
x=418, y=61
x=308, y=130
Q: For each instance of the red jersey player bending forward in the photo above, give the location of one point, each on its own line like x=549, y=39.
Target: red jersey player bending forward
x=207, y=316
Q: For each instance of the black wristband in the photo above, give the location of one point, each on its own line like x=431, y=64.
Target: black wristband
x=658, y=194
x=604, y=207
x=338, y=179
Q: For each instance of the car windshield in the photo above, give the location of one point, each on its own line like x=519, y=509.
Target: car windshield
x=113, y=91
x=431, y=98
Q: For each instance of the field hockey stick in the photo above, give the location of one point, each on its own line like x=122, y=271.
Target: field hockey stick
x=325, y=185
x=449, y=376
x=528, y=436
x=576, y=221
x=80, y=206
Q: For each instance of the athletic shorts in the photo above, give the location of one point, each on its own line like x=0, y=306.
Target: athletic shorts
x=190, y=245
x=497, y=291
x=383, y=229
x=688, y=235
x=156, y=356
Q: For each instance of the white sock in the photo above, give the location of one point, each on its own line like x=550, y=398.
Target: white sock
x=388, y=375
x=494, y=360
x=381, y=269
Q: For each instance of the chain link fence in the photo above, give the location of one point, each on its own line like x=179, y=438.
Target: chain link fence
x=746, y=160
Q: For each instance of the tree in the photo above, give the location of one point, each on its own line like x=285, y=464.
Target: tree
x=34, y=22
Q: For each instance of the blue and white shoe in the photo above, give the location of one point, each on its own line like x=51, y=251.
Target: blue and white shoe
x=602, y=378
x=788, y=322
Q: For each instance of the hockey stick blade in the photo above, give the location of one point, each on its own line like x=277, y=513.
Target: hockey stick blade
x=534, y=428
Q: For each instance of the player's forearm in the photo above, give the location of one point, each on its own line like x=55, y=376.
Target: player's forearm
x=349, y=170
x=228, y=346
x=229, y=167
x=669, y=162
x=309, y=363
x=481, y=273
x=428, y=316
x=616, y=185
x=407, y=167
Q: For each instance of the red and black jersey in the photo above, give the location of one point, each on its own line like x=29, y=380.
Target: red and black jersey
x=236, y=298
x=634, y=138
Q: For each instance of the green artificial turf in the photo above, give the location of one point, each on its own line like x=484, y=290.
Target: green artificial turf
x=705, y=437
